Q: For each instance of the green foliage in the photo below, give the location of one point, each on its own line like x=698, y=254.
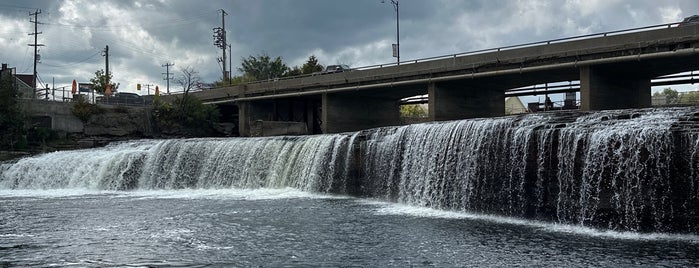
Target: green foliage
x=671, y=95
x=294, y=71
x=690, y=97
x=413, y=111
x=243, y=79
x=311, y=66
x=41, y=136
x=263, y=67
x=100, y=82
x=12, y=132
x=83, y=110
x=188, y=115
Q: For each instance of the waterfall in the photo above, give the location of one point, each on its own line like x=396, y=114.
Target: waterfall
x=625, y=170
x=299, y=162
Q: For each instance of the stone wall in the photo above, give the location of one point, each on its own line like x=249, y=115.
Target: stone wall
x=111, y=122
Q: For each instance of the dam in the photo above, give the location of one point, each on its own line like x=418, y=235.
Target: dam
x=627, y=170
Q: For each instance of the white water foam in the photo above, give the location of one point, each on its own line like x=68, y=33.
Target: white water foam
x=222, y=194
x=387, y=208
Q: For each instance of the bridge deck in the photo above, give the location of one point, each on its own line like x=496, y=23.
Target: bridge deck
x=648, y=53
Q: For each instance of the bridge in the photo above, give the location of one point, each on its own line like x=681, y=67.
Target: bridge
x=614, y=71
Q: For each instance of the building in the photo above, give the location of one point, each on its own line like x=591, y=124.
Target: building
x=24, y=83
x=513, y=105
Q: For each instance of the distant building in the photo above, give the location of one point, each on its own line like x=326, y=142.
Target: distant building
x=513, y=105
x=24, y=83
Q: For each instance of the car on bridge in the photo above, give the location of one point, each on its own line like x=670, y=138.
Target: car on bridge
x=336, y=69
x=691, y=20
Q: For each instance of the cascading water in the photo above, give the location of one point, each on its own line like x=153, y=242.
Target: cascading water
x=624, y=170
x=299, y=162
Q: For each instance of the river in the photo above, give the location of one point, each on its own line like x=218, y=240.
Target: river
x=612, y=188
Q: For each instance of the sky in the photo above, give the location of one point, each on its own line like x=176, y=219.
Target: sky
x=145, y=35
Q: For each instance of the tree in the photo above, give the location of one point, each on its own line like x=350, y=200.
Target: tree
x=412, y=111
x=690, y=97
x=295, y=71
x=263, y=67
x=188, y=79
x=187, y=113
x=11, y=116
x=671, y=95
x=100, y=82
x=311, y=66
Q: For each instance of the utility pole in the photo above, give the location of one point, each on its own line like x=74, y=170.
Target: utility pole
x=36, y=46
x=223, y=26
x=106, y=64
x=220, y=41
x=148, y=87
x=167, y=74
x=230, y=65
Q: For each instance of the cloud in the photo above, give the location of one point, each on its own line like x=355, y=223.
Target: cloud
x=144, y=35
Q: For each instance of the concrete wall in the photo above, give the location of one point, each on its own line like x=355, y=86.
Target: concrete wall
x=261, y=128
x=116, y=121
x=452, y=101
x=603, y=89
x=346, y=112
x=62, y=118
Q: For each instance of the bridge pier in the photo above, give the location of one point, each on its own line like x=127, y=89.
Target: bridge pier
x=249, y=112
x=276, y=117
x=453, y=101
x=345, y=112
x=604, y=89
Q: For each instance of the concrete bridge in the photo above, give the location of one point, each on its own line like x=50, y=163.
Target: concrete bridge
x=614, y=71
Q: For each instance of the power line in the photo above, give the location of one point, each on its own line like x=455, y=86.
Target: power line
x=6, y=6
x=165, y=24
x=73, y=63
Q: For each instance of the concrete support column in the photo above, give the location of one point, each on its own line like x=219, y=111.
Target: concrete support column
x=342, y=112
x=452, y=101
x=605, y=90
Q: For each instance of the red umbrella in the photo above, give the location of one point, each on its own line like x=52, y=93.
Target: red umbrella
x=75, y=87
x=157, y=91
x=108, y=91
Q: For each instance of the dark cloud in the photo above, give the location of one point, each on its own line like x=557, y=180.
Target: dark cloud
x=144, y=35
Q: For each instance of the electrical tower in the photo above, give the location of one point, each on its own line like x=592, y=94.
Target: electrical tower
x=168, y=74
x=220, y=41
x=36, y=46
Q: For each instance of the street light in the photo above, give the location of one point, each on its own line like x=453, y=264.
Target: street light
x=396, y=46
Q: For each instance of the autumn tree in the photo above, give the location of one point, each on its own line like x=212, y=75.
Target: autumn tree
x=100, y=82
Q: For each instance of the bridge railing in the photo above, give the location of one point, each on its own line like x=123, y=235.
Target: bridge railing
x=538, y=43
x=490, y=50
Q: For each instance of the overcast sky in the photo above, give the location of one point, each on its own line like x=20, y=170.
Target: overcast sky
x=144, y=35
